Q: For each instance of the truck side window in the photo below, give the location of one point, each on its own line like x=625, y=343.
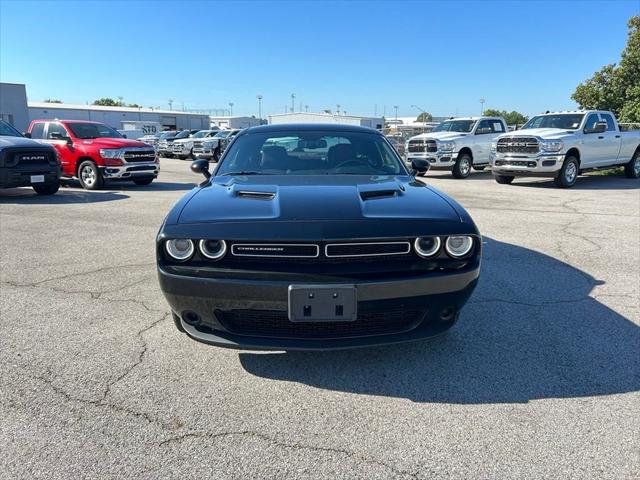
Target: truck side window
x=37, y=131
x=591, y=121
x=56, y=128
x=611, y=125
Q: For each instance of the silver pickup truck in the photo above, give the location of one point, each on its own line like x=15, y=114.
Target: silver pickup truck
x=562, y=145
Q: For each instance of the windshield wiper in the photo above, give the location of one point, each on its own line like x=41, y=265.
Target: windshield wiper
x=245, y=172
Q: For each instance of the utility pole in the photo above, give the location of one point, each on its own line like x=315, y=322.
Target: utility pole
x=375, y=110
x=231, y=109
x=338, y=109
x=259, y=97
x=170, y=104
x=482, y=106
x=395, y=107
x=293, y=98
x=306, y=108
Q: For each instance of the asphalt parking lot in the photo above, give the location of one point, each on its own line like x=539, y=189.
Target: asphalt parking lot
x=539, y=379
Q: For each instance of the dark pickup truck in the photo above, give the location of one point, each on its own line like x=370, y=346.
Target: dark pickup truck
x=27, y=163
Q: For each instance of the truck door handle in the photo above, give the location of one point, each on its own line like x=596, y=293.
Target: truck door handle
x=600, y=138
x=617, y=136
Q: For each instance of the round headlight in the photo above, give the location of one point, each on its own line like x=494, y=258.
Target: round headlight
x=213, y=249
x=180, y=248
x=459, y=246
x=427, y=246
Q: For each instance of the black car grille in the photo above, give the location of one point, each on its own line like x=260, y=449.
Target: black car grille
x=276, y=323
x=32, y=158
x=14, y=156
x=421, y=146
x=321, y=253
x=147, y=156
x=518, y=145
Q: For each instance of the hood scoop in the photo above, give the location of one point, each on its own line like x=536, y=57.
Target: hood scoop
x=255, y=194
x=371, y=194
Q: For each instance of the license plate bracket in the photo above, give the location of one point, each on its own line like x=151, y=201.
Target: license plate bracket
x=323, y=303
x=37, y=178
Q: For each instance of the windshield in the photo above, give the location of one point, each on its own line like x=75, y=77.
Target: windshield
x=201, y=134
x=222, y=134
x=464, y=126
x=168, y=135
x=566, y=121
x=7, y=130
x=92, y=130
x=311, y=153
x=182, y=134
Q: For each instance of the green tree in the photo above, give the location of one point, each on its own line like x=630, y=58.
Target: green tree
x=134, y=105
x=52, y=100
x=512, y=118
x=424, y=117
x=108, y=102
x=616, y=87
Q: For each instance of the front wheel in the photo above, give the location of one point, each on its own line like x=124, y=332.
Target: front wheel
x=568, y=174
x=462, y=168
x=46, y=189
x=89, y=176
x=143, y=181
x=632, y=169
x=504, y=179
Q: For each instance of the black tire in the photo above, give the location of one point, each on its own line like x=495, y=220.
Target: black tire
x=176, y=321
x=90, y=176
x=143, y=181
x=632, y=169
x=479, y=168
x=567, y=176
x=504, y=179
x=46, y=188
x=462, y=168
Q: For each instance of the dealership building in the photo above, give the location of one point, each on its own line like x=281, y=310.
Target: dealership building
x=114, y=116
x=310, y=117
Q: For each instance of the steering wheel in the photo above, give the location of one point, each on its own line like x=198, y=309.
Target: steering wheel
x=346, y=163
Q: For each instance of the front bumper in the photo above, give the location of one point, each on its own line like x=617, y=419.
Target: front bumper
x=130, y=171
x=432, y=294
x=20, y=176
x=542, y=165
x=438, y=160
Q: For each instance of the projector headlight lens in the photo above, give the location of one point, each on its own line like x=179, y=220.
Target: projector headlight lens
x=459, y=246
x=213, y=249
x=427, y=246
x=180, y=249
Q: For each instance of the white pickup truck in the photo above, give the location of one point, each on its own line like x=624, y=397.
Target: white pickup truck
x=562, y=145
x=457, y=144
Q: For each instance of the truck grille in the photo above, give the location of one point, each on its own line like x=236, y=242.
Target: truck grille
x=276, y=323
x=518, y=145
x=422, y=146
x=32, y=158
x=197, y=144
x=139, y=156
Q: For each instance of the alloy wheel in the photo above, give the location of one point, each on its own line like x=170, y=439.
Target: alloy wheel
x=88, y=176
x=571, y=172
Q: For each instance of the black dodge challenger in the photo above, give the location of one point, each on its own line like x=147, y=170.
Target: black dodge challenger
x=315, y=237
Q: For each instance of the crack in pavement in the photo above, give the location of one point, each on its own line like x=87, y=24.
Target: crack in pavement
x=295, y=446
x=528, y=304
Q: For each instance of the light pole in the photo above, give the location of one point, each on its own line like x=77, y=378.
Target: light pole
x=231, y=109
x=396, y=109
x=259, y=97
x=293, y=98
x=338, y=109
x=306, y=108
x=482, y=106
x=424, y=118
x=170, y=104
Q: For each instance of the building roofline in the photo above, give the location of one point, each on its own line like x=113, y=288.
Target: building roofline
x=103, y=108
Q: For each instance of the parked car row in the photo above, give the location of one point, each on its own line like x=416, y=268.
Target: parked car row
x=560, y=145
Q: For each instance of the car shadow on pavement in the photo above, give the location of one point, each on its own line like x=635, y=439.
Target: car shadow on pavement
x=585, y=182
x=530, y=331
x=63, y=196
x=157, y=186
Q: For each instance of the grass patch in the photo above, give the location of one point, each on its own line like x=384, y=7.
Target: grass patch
x=607, y=172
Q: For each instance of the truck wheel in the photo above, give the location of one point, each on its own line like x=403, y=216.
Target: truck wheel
x=632, y=169
x=568, y=174
x=143, y=181
x=89, y=176
x=46, y=189
x=504, y=179
x=462, y=168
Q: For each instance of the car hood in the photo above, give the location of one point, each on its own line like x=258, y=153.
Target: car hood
x=113, y=142
x=547, y=133
x=186, y=140
x=6, y=141
x=442, y=136
x=316, y=198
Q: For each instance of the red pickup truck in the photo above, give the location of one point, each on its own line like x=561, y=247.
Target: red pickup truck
x=94, y=152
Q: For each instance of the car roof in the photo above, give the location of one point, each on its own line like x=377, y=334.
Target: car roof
x=307, y=127
x=67, y=121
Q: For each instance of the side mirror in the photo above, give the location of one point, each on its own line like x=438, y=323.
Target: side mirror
x=56, y=136
x=124, y=136
x=420, y=165
x=483, y=131
x=599, y=127
x=201, y=166
x=27, y=134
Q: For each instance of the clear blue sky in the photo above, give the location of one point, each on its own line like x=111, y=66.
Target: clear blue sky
x=444, y=57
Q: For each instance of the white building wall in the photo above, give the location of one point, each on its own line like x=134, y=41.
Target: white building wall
x=308, y=117
x=13, y=105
